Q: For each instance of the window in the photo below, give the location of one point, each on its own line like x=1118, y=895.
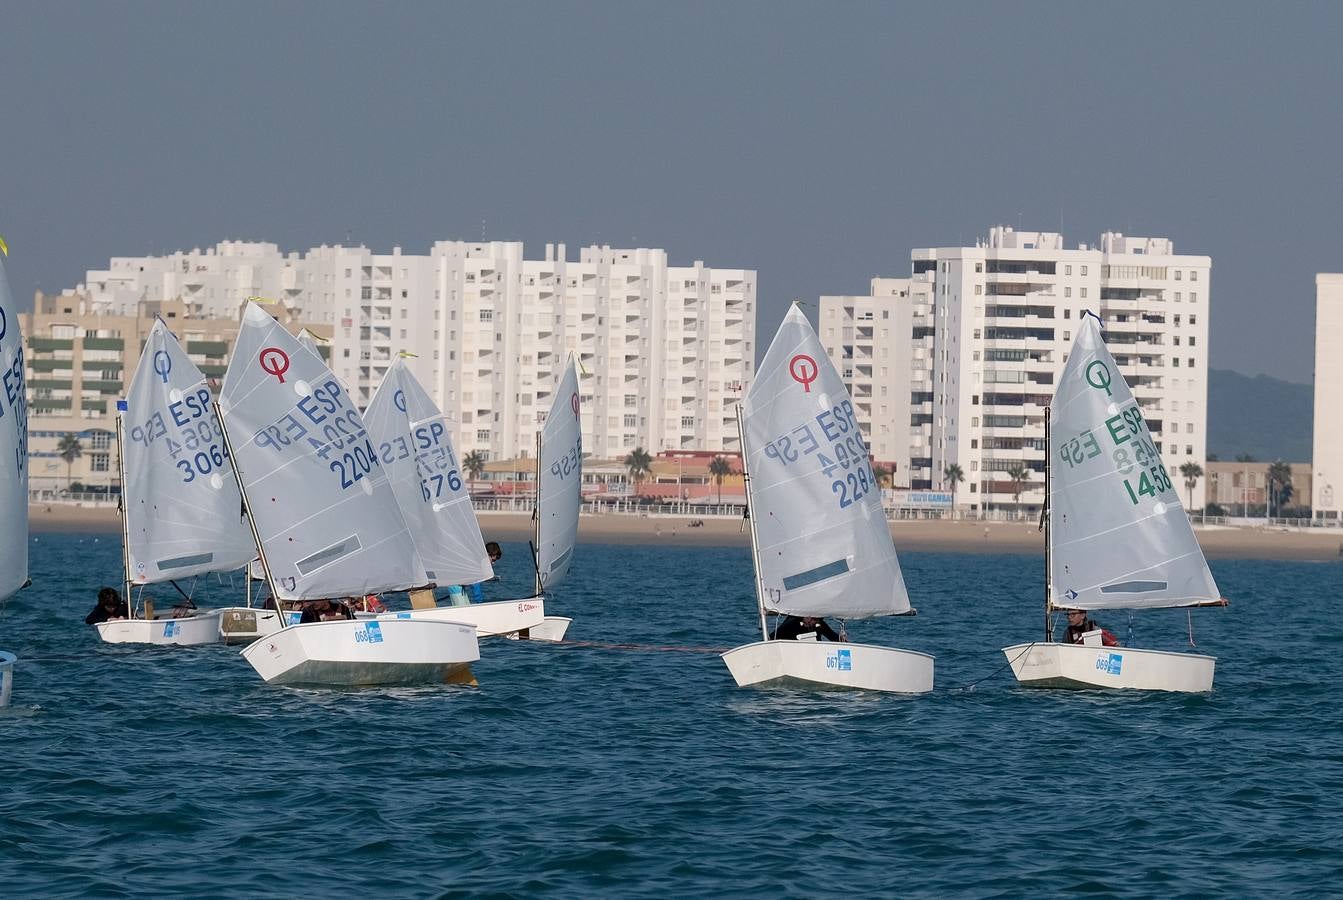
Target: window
x=1193, y=276
x=1191, y=362
x=1067, y=292
x=483, y=435
x=1175, y=362
x=1084, y=293
x=98, y=462
x=1067, y=314
x=1067, y=270
x=1189, y=428
x=1177, y=340
x=1188, y=450
x=487, y=315
x=1084, y=270
x=1193, y=320
x=631, y=420
x=687, y=421
x=979, y=267
x=101, y=440
x=1191, y=341
x=1177, y=274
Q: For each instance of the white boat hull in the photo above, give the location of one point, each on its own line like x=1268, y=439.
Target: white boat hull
x=823, y=663
x=190, y=631
x=552, y=628
x=366, y=652
x=242, y=625
x=7, y=661
x=1081, y=666
x=495, y=617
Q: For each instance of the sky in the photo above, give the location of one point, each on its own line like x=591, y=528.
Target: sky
x=814, y=142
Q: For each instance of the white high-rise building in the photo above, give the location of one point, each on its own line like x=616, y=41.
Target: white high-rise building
x=664, y=351
x=1327, y=452
x=987, y=329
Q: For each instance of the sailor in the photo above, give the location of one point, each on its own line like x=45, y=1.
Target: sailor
x=792, y=627
x=110, y=606
x=495, y=553
x=1079, y=625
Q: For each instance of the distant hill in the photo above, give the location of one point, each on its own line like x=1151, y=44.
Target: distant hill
x=1264, y=417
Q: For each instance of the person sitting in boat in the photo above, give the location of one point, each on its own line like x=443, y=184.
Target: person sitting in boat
x=457, y=596
x=371, y=604
x=110, y=606
x=325, y=611
x=793, y=627
x=1079, y=625
x=495, y=553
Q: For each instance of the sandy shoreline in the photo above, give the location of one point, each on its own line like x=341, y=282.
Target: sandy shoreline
x=926, y=536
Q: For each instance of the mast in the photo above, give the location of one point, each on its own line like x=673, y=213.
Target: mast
x=750, y=514
x=536, y=519
x=1046, y=513
x=125, y=520
x=251, y=522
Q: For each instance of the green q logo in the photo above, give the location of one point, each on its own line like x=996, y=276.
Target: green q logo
x=1098, y=376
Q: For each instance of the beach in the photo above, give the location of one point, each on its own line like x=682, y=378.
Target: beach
x=923, y=535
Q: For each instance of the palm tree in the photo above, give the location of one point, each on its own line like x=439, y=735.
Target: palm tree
x=720, y=468
x=883, y=476
x=1279, y=485
x=640, y=466
x=955, y=475
x=474, y=463
x=1019, y=475
x=1192, y=472
x=69, y=449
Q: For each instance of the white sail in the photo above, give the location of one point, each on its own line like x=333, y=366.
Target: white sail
x=414, y=447
x=181, y=502
x=13, y=447
x=321, y=503
x=1119, y=537
x=824, y=546
x=559, y=485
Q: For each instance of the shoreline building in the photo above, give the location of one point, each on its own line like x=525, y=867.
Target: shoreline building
x=980, y=333
x=1327, y=441
x=664, y=351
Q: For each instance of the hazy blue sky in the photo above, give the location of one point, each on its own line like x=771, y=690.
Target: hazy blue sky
x=816, y=143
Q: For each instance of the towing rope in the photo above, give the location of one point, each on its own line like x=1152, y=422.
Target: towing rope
x=971, y=685
x=650, y=648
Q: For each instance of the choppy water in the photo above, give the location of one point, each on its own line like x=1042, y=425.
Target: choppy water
x=580, y=771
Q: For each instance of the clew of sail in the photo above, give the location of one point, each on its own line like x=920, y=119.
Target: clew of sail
x=415, y=449
x=824, y=547
x=560, y=477
x=182, y=507
x=13, y=447
x=1119, y=537
x=320, y=500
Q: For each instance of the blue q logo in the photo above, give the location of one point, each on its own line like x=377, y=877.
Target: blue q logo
x=4, y=324
x=399, y=400
x=163, y=364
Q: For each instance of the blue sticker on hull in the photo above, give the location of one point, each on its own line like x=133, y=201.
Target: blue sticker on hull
x=1110, y=664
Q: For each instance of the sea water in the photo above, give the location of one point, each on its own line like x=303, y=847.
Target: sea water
x=579, y=770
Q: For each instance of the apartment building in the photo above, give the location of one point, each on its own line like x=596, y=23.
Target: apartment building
x=1327, y=450
x=664, y=351
x=80, y=361
x=989, y=328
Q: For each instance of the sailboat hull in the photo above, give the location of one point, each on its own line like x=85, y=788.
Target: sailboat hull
x=189, y=631
x=490, y=619
x=825, y=664
x=366, y=652
x=242, y=625
x=7, y=661
x=1080, y=666
x=552, y=628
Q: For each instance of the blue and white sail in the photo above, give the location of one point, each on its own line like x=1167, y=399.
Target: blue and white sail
x=1119, y=536
x=181, y=501
x=823, y=545
x=414, y=446
x=13, y=446
x=319, y=497
x=559, y=494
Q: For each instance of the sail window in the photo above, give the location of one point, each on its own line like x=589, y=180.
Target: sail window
x=181, y=562
x=325, y=557
x=1133, y=587
x=813, y=576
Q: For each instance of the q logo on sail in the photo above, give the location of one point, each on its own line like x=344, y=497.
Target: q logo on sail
x=804, y=371
x=1098, y=376
x=573, y=404
x=274, y=361
x=163, y=364
x=399, y=400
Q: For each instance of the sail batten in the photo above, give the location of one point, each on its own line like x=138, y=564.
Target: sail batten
x=1119, y=536
x=559, y=480
x=414, y=442
x=316, y=489
x=823, y=544
x=13, y=447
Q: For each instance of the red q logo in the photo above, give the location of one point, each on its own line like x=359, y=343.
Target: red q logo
x=804, y=370
x=274, y=361
x=573, y=404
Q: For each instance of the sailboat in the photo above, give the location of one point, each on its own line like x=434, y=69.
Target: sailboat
x=13, y=465
x=819, y=539
x=415, y=449
x=325, y=522
x=559, y=496
x=1116, y=534
x=181, y=511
